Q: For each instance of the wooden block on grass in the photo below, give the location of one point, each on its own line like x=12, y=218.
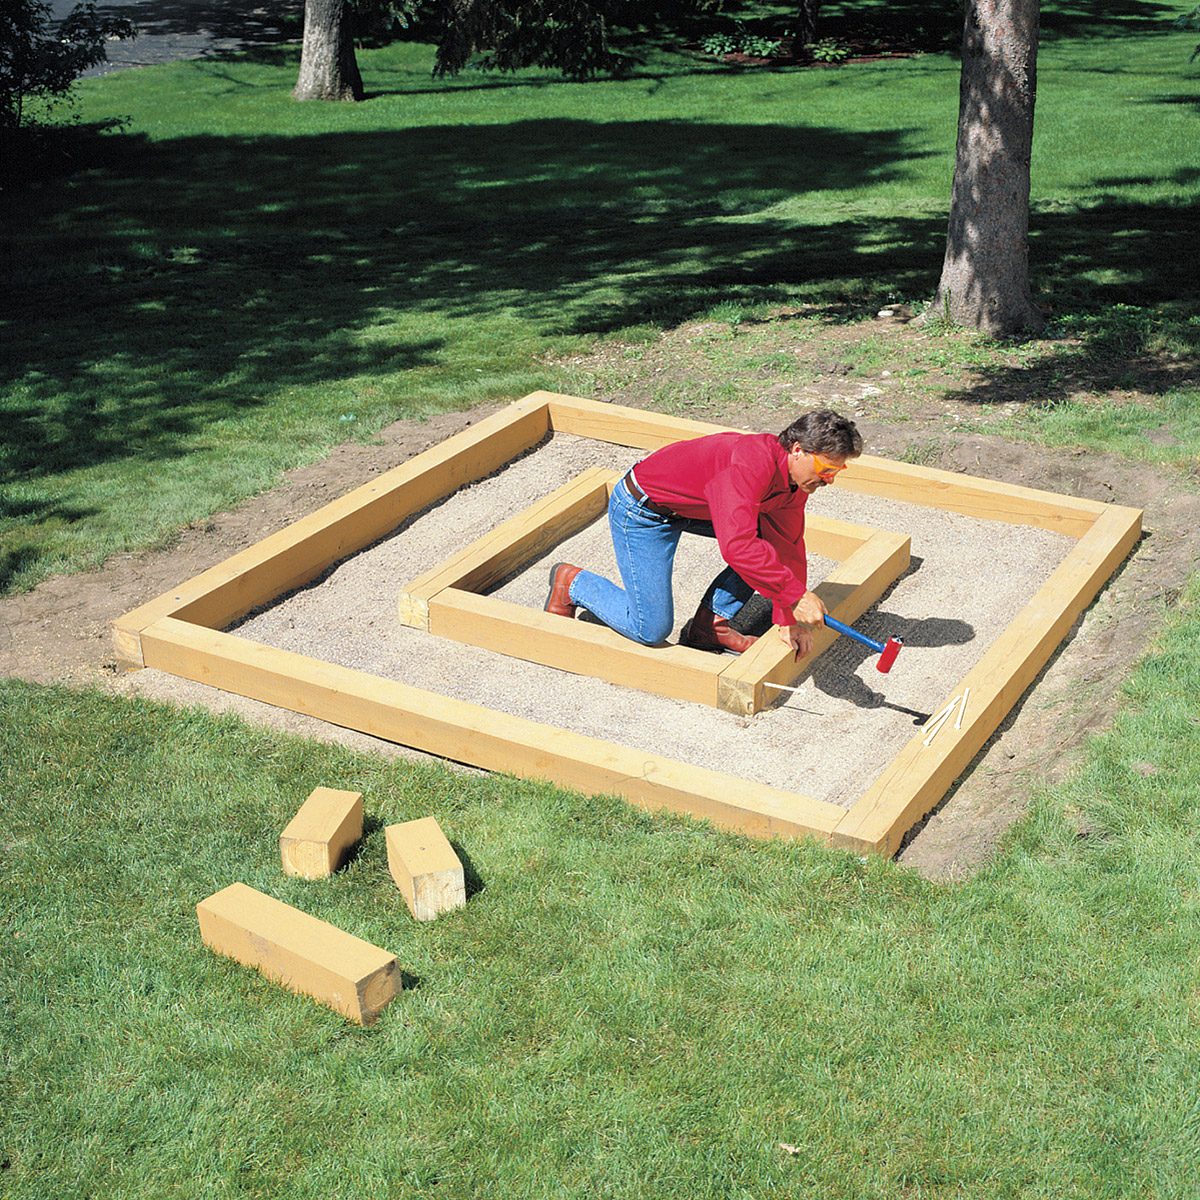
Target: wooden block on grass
x=318, y=838
x=301, y=952
x=425, y=868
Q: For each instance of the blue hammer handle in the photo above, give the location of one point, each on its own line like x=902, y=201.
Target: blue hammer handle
x=878, y=647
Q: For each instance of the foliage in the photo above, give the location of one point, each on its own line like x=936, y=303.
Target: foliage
x=1191, y=21
x=165, y=342
x=41, y=59
x=508, y=35
x=739, y=40
x=629, y=1005
x=828, y=50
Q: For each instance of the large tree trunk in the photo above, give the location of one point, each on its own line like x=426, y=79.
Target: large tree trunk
x=328, y=68
x=985, y=275
x=806, y=22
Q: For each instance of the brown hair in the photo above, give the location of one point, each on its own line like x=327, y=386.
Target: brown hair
x=823, y=431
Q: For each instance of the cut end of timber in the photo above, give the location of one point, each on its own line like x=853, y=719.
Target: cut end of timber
x=127, y=645
x=302, y=953
x=318, y=838
x=425, y=868
x=413, y=611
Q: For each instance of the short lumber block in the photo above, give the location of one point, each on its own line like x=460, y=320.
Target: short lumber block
x=303, y=953
x=319, y=836
x=425, y=868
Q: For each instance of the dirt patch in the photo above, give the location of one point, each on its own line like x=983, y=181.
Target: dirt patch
x=59, y=632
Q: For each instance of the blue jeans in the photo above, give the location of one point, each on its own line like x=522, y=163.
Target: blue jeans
x=645, y=545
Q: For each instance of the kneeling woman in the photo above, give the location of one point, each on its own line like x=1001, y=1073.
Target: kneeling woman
x=749, y=491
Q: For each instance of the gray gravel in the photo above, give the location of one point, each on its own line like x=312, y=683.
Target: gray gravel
x=176, y=29
x=969, y=579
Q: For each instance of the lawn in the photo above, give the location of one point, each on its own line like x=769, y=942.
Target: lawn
x=239, y=282
x=629, y=1005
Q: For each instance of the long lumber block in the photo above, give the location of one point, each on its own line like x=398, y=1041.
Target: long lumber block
x=301, y=952
x=465, y=732
x=294, y=555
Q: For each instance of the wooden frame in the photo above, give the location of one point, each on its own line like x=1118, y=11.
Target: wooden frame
x=445, y=601
x=179, y=632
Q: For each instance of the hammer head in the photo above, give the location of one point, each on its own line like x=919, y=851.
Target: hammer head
x=885, y=660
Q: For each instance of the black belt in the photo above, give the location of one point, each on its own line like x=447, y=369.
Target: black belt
x=636, y=492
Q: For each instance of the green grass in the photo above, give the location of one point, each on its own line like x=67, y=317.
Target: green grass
x=240, y=282
x=628, y=1006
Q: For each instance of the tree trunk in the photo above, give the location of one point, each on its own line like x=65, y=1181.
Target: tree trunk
x=806, y=22
x=985, y=275
x=328, y=68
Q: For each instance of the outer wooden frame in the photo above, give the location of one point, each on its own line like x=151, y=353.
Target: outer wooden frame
x=179, y=632
x=445, y=601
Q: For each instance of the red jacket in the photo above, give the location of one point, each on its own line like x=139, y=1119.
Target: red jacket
x=739, y=482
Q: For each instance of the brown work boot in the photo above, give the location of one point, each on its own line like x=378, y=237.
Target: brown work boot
x=707, y=631
x=559, y=602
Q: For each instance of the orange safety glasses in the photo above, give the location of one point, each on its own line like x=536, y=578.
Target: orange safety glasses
x=825, y=469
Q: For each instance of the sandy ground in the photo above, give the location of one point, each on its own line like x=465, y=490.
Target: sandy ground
x=829, y=740
x=59, y=631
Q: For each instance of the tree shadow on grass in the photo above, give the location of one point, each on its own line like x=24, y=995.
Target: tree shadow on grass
x=180, y=285
x=1120, y=266
x=184, y=282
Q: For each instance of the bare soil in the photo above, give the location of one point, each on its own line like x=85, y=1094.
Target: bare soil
x=58, y=633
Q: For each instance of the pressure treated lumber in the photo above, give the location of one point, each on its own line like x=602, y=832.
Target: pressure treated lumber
x=847, y=592
x=426, y=869
x=299, y=951
x=620, y=425
x=299, y=553
x=178, y=643
x=920, y=775
x=581, y=647
x=470, y=733
x=442, y=602
x=969, y=495
x=522, y=538
x=321, y=834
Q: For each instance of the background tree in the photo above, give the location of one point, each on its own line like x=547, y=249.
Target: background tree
x=807, y=12
x=985, y=274
x=505, y=35
x=41, y=59
x=328, y=68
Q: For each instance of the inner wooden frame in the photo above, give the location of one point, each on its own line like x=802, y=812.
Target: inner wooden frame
x=446, y=602
x=180, y=632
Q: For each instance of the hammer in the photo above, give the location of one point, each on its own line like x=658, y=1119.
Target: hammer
x=887, y=651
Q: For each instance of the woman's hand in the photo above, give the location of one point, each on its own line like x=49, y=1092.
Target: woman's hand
x=799, y=637
x=809, y=609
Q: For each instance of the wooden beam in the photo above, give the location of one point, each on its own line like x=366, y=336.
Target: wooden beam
x=299, y=553
x=920, y=775
x=301, y=952
x=479, y=736
x=580, y=647
x=321, y=834
x=620, y=425
x=849, y=590
x=525, y=537
x=425, y=868
x=951, y=491
x=831, y=538
x=985, y=499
